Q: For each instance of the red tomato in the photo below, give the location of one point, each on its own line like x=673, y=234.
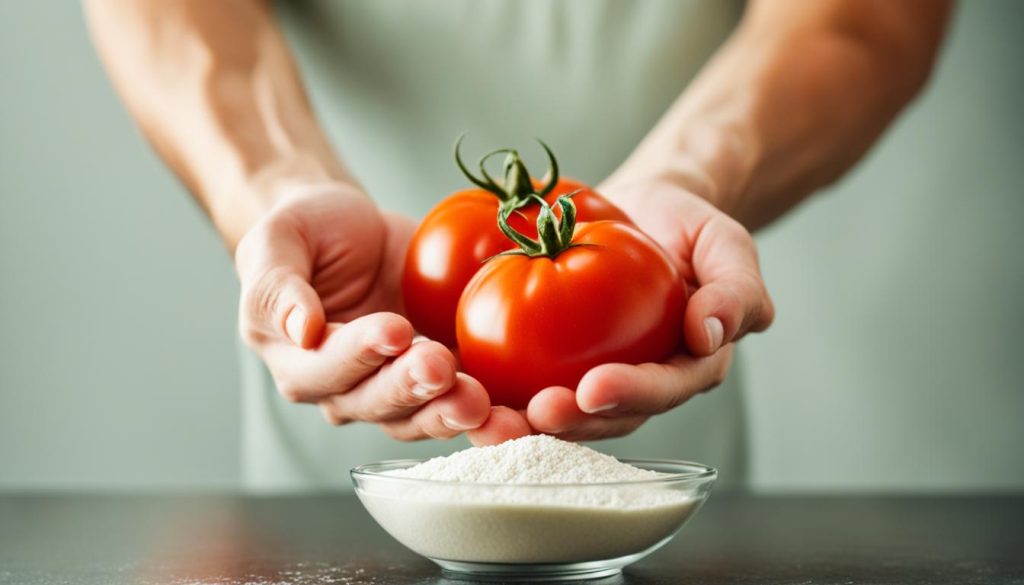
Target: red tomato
x=525, y=323
x=589, y=205
x=460, y=232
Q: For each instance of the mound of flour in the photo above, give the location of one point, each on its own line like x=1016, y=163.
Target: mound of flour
x=504, y=504
x=534, y=459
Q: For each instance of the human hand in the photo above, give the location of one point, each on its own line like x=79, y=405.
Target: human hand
x=321, y=305
x=717, y=259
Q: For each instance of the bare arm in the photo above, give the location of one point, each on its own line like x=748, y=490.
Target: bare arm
x=795, y=97
x=214, y=87
x=792, y=101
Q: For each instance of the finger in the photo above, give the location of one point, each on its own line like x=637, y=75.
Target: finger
x=424, y=372
x=503, y=424
x=274, y=266
x=465, y=407
x=646, y=389
x=348, y=354
x=554, y=411
x=731, y=299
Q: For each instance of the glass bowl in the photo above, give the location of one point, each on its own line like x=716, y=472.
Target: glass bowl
x=533, y=532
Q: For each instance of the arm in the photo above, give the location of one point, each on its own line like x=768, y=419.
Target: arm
x=789, y=103
x=214, y=88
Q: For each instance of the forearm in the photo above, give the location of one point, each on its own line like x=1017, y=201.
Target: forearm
x=214, y=88
x=793, y=100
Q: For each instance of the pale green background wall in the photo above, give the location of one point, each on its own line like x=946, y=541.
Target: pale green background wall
x=906, y=371
x=117, y=353
x=117, y=357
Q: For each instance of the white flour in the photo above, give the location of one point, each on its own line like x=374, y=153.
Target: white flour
x=511, y=473
x=531, y=459
x=501, y=504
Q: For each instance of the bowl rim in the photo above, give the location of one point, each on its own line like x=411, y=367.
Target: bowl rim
x=703, y=473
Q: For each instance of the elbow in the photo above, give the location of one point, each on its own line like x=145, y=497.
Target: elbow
x=902, y=41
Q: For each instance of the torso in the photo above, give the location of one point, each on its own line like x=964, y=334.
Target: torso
x=395, y=81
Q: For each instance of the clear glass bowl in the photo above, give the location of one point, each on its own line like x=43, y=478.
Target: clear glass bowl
x=533, y=532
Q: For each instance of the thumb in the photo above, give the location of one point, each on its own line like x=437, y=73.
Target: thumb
x=296, y=310
x=275, y=266
x=731, y=299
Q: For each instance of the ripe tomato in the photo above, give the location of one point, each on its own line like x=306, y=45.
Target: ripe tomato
x=460, y=232
x=567, y=303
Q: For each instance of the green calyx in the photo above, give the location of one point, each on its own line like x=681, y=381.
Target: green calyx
x=516, y=186
x=554, y=234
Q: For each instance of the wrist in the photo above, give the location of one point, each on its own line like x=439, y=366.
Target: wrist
x=714, y=162
x=251, y=198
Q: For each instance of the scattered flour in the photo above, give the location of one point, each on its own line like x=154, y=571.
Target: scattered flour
x=535, y=459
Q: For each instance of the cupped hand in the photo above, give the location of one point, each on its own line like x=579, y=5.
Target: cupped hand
x=321, y=305
x=717, y=259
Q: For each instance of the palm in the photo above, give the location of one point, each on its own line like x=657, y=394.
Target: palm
x=718, y=262
x=358, y=257
x=677, y=222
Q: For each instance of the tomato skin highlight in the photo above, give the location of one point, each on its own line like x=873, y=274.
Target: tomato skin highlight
x=524, y=324
x=458, y=235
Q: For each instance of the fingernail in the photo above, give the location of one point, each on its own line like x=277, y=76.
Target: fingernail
x=600, y=407
x=715, y=332
x=422, y=391
x=384, y=349
x=295, y=325
x=420, y=374
x=455, y=425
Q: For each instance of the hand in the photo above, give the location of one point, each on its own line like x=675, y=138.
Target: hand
x=321, y=305
x=717, y=259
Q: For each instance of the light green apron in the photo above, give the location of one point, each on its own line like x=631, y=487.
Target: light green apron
x=395, y=81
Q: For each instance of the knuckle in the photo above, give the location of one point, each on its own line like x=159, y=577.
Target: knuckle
x=291, y=392
x=438, y=430
x=738, y=230
x=717, y=380
x=248, y=245
x=260, y=300
x=380, y=412
x=673, y=395
x=384, y=409
x=366, y=358
x=383, y=405
x=249, y=332
x=332, y=416
x=400, y=399
x=718, y=375
x=672, y=400
x=767, y=311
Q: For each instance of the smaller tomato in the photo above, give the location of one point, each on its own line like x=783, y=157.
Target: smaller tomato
x=461, y=232
x=575, y=298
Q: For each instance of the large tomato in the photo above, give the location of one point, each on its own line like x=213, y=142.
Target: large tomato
x=458, y=234
x=567, y=302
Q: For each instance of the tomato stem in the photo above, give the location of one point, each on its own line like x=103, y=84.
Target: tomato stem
x=554, y=235
x=517, y=178
x=516, y=186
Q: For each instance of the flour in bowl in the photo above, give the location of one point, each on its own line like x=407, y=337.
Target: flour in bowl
x=537, y=499
x=535, y=459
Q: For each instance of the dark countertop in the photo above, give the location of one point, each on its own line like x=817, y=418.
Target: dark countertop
x=194, y=540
